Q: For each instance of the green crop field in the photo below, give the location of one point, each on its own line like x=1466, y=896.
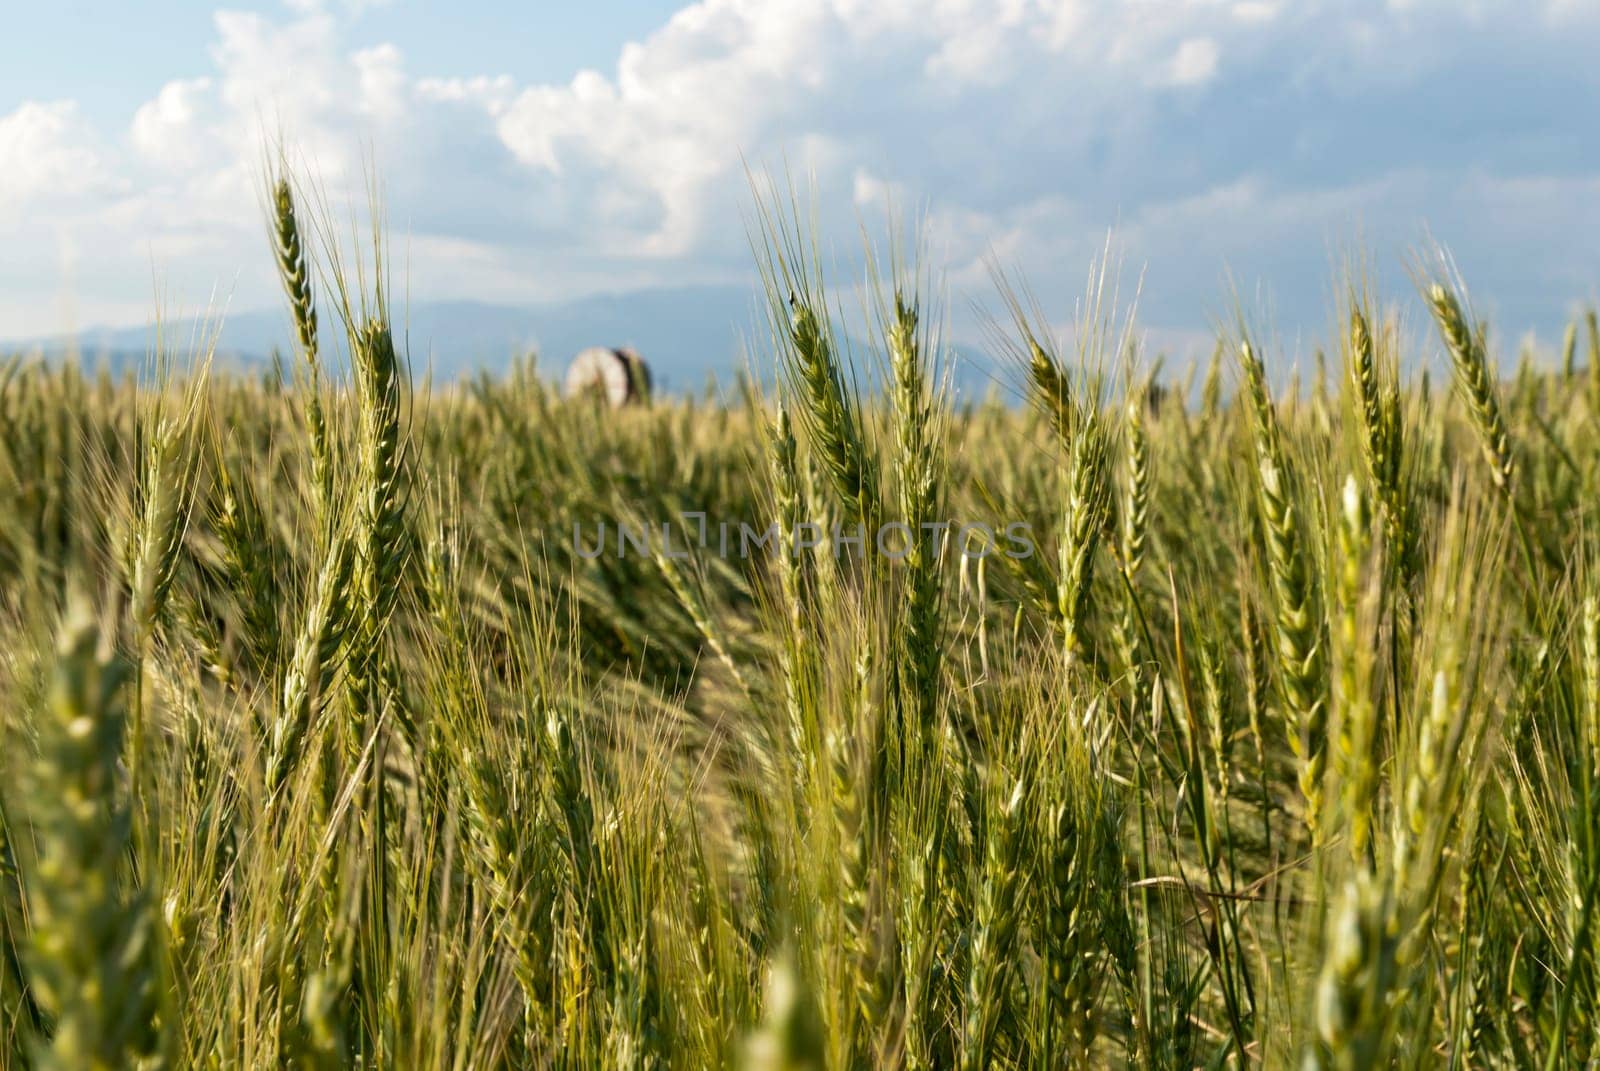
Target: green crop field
x=1122, y=719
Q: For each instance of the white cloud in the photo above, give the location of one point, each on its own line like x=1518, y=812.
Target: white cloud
x=1256, y=10
x=307, y=7
x=492, y=93
x=1195, y=62
x=382, y=78
x=163, y=128
x=727, y=77
x=49, y=153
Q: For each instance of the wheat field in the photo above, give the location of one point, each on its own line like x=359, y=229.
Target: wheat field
x=356, y=721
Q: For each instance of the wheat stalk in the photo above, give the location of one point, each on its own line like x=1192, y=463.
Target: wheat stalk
x=830, y=413
x=1356, y=773
x=96, y=964
x=295, y=275
x=919, y=465
x=995, y=925
x=1300, y=649
x=1475, y=380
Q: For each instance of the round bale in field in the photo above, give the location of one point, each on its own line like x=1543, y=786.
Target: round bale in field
x=619, y=375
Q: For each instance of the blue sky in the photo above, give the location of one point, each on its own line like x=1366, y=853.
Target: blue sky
x=111, y=55
x=547, y=151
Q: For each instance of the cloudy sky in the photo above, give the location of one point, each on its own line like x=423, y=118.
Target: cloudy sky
x=542, y=151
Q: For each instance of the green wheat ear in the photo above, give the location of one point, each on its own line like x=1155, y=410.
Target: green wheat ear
x=95, y=968
x=920, y=470
x=294, y=272
x=831, y=413
x=1301, y=645
x=1475, y=378
x=292, y=268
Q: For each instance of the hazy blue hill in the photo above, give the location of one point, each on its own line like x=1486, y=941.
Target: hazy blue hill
x=687, y=334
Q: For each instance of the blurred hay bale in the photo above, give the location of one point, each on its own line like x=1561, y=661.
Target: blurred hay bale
x=619, y=375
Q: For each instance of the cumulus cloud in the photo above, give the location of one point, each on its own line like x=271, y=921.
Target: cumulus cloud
x=163, y=128
x=1251, y=135
x=50, y=154
x=1195, y=62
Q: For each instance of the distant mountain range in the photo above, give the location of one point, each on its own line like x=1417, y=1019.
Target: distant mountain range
x=686, y=334
x=690, y=336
